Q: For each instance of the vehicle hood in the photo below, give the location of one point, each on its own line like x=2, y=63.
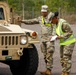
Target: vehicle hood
x=10, y=28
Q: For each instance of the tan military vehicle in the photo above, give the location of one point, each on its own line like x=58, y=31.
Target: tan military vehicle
x=17, y=47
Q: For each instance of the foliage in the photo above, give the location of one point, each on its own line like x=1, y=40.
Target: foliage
x=68, y=5
x=54, y=5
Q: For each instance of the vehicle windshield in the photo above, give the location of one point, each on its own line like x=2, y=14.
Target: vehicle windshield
x=1, y=14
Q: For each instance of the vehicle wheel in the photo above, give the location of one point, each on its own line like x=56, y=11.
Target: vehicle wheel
x=28, y=63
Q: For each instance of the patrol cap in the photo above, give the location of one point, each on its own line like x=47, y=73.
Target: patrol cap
x=44, y=8
x=56, y=14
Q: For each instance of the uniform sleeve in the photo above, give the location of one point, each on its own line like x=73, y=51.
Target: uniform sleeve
x=67, y=30
x=31, y=21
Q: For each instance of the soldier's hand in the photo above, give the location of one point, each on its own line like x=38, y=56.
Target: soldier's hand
x=59, y=37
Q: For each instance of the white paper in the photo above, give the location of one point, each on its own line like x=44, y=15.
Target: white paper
x=53, y=38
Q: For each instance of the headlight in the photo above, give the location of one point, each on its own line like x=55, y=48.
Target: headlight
x=23, y=40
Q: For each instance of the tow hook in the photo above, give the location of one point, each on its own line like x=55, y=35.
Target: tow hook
x=20, y=52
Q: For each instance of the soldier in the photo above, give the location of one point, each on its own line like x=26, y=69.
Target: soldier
x=47, y=30
x=67, y=42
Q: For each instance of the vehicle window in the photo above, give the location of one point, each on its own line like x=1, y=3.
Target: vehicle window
x=1, y=14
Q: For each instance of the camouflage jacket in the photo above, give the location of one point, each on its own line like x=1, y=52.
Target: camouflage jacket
x=67, y=29
x=46, y=31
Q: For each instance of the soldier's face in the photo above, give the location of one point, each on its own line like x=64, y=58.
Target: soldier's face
x=55, y=20
x=44, y=14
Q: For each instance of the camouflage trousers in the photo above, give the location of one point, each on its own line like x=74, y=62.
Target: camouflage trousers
x=47, y=49
x=66, y=56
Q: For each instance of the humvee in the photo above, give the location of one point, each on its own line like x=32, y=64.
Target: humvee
x=17, y=47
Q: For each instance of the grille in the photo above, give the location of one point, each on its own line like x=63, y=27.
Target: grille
x=9, y=40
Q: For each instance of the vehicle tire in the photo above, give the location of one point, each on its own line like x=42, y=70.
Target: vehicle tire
x=28, y=63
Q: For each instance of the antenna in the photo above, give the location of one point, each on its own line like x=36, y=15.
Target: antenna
x=23, y=9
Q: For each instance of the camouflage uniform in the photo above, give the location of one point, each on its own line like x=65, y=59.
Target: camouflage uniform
x=47, y=47
x=66, y=50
